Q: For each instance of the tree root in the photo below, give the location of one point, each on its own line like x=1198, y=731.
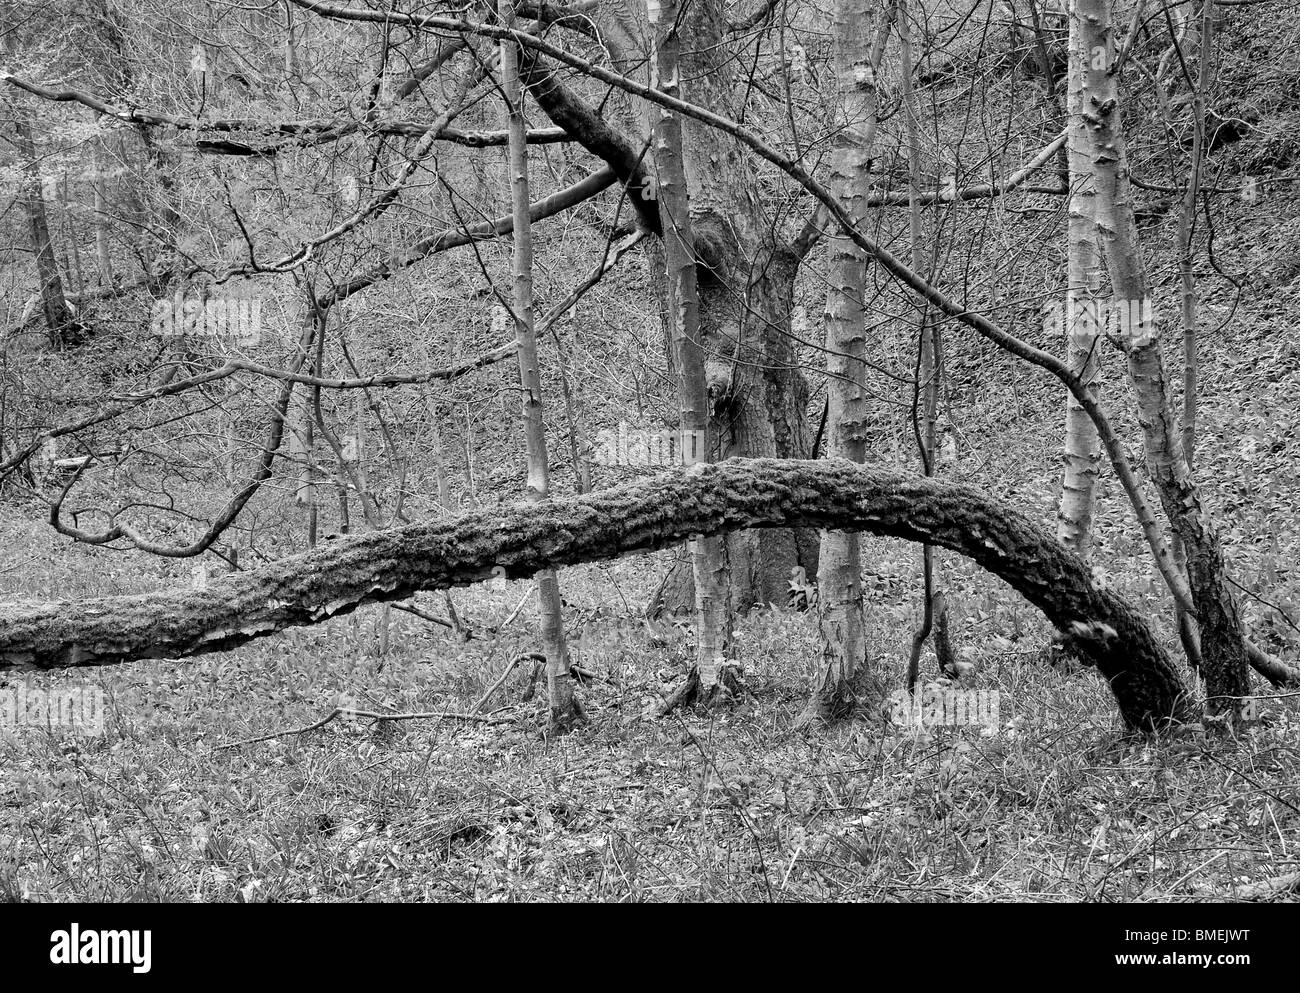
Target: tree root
x=862, y=696
x=728, y=690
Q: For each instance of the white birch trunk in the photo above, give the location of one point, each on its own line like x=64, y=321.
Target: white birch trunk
x=708, y=555
x=565, y=709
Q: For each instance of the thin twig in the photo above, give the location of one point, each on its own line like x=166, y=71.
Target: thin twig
x=424, y=615
x=515, y=613
x=509, y=669
x=351, y=712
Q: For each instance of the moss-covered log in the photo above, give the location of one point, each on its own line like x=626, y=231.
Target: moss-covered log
x=704, y=499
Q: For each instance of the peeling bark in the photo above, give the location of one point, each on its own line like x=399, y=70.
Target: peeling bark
x=1082, y=450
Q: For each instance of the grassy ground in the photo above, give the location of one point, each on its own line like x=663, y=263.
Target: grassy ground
x=1053, y=803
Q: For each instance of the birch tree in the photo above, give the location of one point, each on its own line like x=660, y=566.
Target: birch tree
x=858, y=49
x=1082, y=449
x=708, y=554
x=1223, y=651
x=565, y=708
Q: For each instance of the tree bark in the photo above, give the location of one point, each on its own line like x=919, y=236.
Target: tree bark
x=858, y=47
x=388, y=565
x=1082, y=449
x=1223, y=650
x=61, y=326
x=709, y=567
x=758, y=394
x=565, y=709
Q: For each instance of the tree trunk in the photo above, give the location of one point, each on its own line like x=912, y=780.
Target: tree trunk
x=1082, y=449
x=1187, y=277
x=859, y=42
x=926, y=397
x=1223, y=651
x=382, y=566
x=565, y=709
x=61, y=326
x=708, y=554
x=746, y=283
x=758, y=394
x=99, y=184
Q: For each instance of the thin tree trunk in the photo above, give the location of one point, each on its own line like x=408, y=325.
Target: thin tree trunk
x=709, y=565
x=565, y=708
x=302, y=450
x=443, y=484
x=934, y=617
x=1187, y=276
x=1082, y=449
x=581, y=474
x=59, y=322
x=860, y=29
x=103, y=255
x=1186, y=228
x=1223, y=650
x=74, y=275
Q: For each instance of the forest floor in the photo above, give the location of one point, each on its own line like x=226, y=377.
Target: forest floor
x=1049, y=801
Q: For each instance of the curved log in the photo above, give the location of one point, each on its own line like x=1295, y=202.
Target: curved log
x=704, y=499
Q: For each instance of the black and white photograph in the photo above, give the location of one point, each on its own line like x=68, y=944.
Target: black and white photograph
x=650, y=452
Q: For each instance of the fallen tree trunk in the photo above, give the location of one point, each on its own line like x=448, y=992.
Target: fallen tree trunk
x=521, y=540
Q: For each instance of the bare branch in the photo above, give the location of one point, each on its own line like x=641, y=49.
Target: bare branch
x=317, y=131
